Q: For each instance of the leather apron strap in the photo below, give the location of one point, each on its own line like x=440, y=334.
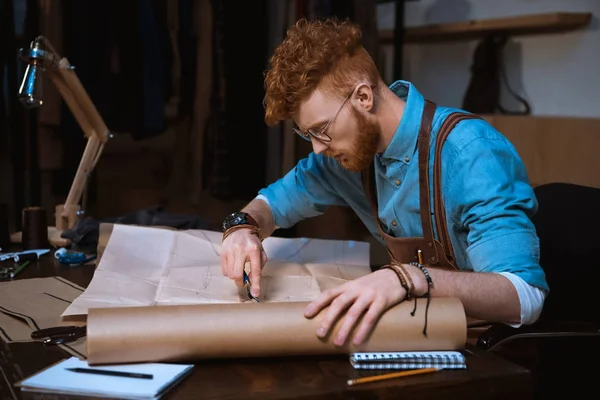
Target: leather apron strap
x=440, y=210
x=424, y=198
x=424, y=141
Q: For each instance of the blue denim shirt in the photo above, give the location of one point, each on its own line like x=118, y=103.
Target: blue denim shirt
x=485, y=188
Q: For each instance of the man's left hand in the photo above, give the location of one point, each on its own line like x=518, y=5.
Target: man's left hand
x=370, y=295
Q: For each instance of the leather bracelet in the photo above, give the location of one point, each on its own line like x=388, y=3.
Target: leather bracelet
x=254, y=229
x=400, y=276
x=409, y=280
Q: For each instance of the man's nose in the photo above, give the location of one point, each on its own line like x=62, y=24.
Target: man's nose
x=318, y=146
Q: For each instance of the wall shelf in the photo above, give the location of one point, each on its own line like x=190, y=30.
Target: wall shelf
x=519, y=25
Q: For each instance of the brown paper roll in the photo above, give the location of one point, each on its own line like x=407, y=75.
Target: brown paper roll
x=191, y=332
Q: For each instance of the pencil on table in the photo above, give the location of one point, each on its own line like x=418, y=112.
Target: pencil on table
x=393, y=375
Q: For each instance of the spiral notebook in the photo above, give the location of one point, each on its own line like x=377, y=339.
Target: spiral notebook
x=409, y=360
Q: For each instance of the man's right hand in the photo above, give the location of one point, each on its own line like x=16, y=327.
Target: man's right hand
x=238, y=248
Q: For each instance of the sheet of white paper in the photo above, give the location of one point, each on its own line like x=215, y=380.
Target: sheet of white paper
x=144, y=266
x=58, y=379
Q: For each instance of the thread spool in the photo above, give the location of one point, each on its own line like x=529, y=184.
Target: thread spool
x=35, y=228
x=4, y=228
x=58, y=252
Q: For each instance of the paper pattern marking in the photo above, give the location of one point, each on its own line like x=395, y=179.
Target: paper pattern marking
x=27, y=305
x=145, y=266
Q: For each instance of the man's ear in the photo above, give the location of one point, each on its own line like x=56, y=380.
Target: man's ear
x=363, y=97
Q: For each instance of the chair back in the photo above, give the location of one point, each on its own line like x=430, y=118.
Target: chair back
x=568, y=225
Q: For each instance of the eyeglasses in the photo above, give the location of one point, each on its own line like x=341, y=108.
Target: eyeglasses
x=320, y=134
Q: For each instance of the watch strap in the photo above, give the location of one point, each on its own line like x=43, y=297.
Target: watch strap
x=252, y=221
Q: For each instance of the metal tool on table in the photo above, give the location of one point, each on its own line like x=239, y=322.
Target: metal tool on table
x=19, y=255
x=23, y=257
x=6, y=272
x=60, y=334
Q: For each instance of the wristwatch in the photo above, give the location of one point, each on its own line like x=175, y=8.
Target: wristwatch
x=238, y=218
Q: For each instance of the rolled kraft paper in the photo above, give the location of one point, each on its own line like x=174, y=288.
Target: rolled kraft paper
x=178, y=333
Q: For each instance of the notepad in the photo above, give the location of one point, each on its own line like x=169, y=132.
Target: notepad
x=409, y=360
x=57, y=379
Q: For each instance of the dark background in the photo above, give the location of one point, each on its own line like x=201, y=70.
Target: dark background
x=124, y=53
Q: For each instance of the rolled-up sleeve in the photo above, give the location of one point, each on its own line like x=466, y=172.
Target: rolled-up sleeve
x=490, y=196
x=304, y=192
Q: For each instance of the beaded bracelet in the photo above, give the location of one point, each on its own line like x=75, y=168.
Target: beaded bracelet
x=427, y=294
x=426, y=273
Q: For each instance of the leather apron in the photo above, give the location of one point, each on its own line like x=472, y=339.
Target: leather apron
x=435, y=252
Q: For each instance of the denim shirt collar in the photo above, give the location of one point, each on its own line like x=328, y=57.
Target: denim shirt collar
x=402, y=146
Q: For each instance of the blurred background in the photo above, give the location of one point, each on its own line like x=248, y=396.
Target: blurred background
x=179, y=84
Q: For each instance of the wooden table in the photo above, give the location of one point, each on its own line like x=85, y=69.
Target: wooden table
x=487, y=376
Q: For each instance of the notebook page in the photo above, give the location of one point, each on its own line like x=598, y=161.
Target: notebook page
x=58, y=379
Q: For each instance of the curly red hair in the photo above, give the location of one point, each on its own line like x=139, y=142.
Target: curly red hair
x=323, y=53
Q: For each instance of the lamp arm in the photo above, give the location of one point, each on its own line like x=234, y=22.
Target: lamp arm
x=88, y=118
x=50, y=54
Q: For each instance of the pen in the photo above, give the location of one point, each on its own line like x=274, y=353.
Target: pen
x=248, y=287
x=391, y=376
x=112, y=373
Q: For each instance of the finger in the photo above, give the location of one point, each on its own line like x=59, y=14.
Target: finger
x=223, y=259
x=237, y=274
x=352, y=315
x=326, y=297
x=230, y=265
x=255, y=272
x=337, y=306
x=224, y=266
x=263, y=257
x=368, y=322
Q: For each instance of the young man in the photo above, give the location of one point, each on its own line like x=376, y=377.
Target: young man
x=455, y=218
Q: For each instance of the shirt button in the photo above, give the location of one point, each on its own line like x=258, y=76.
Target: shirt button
x=407, y=158
x=397, y=182
x=394, y=223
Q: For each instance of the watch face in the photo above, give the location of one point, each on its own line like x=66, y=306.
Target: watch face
x=237, y=218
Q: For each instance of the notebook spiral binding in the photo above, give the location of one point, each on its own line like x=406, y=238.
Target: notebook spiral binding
x=409, y=360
